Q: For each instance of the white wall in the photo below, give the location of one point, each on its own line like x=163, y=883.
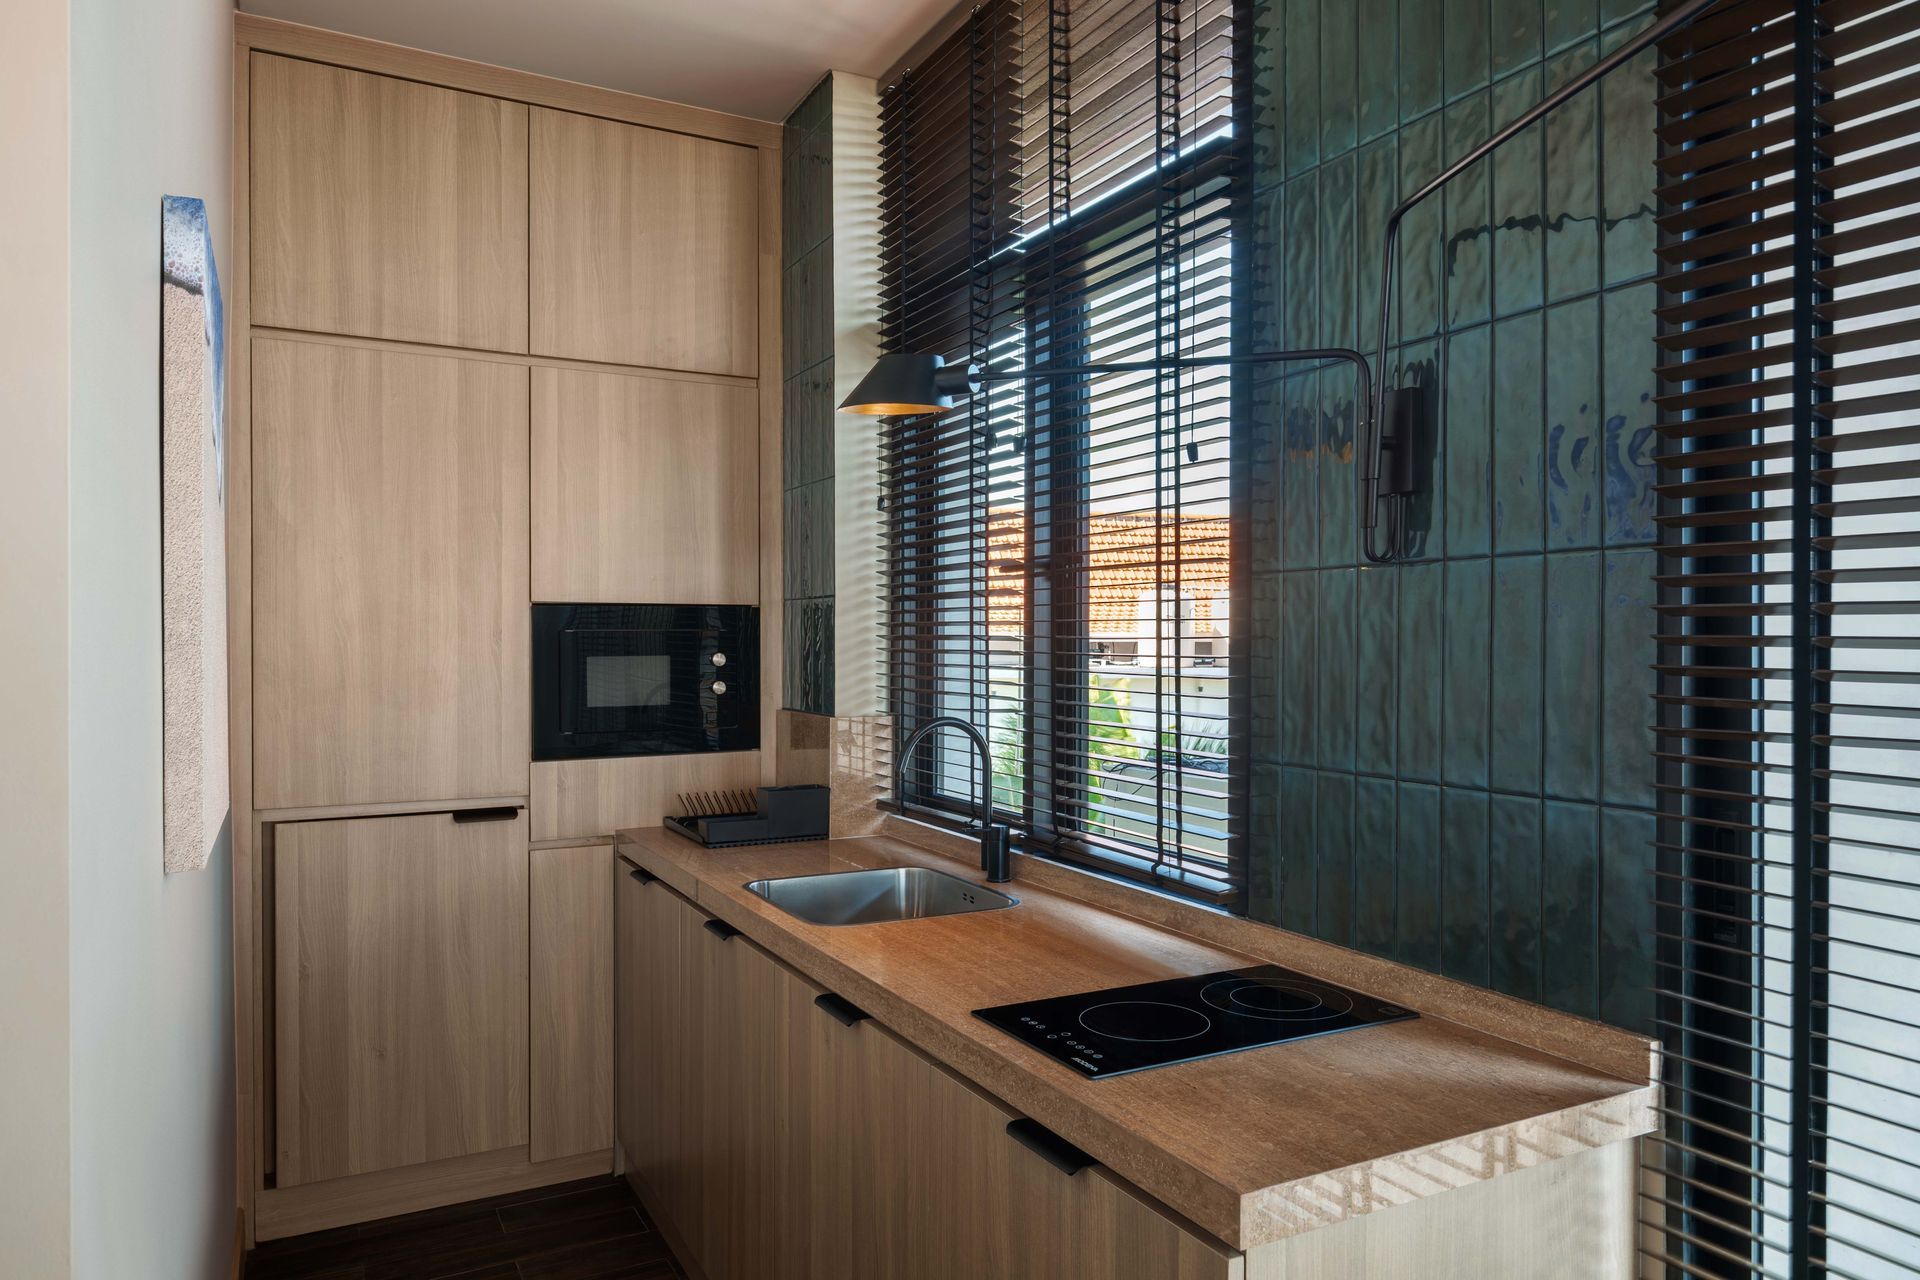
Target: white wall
x=153, y=1187
x=33, y=644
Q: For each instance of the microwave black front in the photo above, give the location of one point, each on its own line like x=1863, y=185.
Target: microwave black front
x=644, y=679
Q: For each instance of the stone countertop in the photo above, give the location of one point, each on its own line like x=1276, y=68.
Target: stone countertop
x=1251, y=1146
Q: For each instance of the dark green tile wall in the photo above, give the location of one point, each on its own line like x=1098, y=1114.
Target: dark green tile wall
x=807, y=236
x=1451, y=756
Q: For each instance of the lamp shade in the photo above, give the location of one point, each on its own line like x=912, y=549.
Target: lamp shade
x=903, y=384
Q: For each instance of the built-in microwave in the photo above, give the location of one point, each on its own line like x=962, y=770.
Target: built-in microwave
x=644, y=679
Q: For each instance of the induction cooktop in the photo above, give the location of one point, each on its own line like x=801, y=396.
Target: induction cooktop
x=1156, y=1024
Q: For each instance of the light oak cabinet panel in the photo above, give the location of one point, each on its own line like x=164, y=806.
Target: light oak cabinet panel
x=401, y=992
x=644, y=489
x=644, y=246
x=581, y=799
x=570, y=919
x=791, y=1145
x=390, y=623
x=386, y=208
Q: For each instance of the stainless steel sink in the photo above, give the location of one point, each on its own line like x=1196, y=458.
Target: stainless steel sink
x=874, y=897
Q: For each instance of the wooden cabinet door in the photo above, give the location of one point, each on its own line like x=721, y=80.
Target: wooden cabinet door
x=644, y=246
x=570, y=923
x=390, y=623
x=644, y=489
x=386, y=208
x=400, y=962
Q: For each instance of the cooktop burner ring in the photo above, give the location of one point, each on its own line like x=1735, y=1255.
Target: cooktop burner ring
x=1179, y=1019
x=1231, y=995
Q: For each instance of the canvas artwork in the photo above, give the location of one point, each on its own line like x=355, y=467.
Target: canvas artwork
x=193, y=536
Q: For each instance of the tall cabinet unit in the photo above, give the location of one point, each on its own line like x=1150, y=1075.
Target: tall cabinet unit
x=496, y=339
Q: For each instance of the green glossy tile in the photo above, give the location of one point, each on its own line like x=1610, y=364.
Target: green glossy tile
x=1303, y=84
x=1570, y=916
x=1336, y=255
x=1465, y=40
x=1573, y=425
x=1377, y=99
x=1339, y=76
x=1565, y=21
x=807, y=443
x=1613, y=11
x=1300, y=228
x=1299, y=663
x=1374, y=886
x=1266, y=302
x=806, y=194
x=1334, y=673
x=1423, y=231
x=1469, y=460
x=809, y=656
x=1420, y=669
x=1518, y=239
x=1338, y=466
x=1376, y=622
x=1266, y=641
x=1421, y=57
x=1519, y=435
x=1469, y=216
x=814, y=108
x=808, y=318
x=1464, y=727
x=1515, y=695
x=1333, y=883
x=1418, y=365
x=1298, y=840
x=1572, y=676
x=1515, y=34
x=1268, y=81
x=1464, y=900
x=808, y=546
x=1417, y=847
x=1514, y=885
x=1572, y=181
x=1626, y=919
x=1299, y=472
x=1264, y=848
x=1629, y=442
x=1376, y=190
x=1627, y=146
x=1627, y=679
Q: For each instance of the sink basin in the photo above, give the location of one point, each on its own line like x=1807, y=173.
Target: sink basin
x=874, y=897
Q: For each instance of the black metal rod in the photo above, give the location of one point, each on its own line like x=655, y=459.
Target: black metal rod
x=1625, y=53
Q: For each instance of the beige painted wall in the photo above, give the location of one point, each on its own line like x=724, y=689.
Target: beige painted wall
x=33, y=639
x=153, y=1110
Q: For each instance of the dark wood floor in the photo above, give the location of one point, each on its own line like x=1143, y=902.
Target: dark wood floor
x=590, y=1230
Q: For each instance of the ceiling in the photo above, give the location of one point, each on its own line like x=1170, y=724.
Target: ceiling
x=750, y=57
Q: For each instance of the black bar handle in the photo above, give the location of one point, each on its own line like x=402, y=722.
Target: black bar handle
x=642, y=875
x=844, y=1012
x=502, y=813
x=720, y=929
x=1049, y=1146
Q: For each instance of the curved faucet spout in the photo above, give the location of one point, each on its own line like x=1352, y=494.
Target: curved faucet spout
x=996, y=839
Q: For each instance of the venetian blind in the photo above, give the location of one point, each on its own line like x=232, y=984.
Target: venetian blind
x=1060, y=188
x=1789, y=704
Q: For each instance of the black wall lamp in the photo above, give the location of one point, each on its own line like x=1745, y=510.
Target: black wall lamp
x=1391, y=419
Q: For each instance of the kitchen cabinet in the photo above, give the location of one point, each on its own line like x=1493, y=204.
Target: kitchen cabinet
x=781, y=1136
x=570, y=943
x=644, y=489
x=390, y=572
x=645, y=246
x=400, y=991
x=386, y=208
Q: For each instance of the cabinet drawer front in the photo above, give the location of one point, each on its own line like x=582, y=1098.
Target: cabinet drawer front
x=387, y=209
x=400, y=958
x=391, y=632
x=570, y=914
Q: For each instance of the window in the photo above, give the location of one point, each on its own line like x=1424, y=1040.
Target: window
x=1060, y=190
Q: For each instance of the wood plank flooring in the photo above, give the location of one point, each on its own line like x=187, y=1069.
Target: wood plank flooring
x=589, y=1230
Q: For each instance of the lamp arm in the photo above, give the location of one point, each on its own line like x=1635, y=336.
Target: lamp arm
x=1667, y=22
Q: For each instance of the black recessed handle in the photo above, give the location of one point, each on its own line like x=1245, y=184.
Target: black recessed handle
x=721, y=929
x=642, y=875
x=844, y=1012
x=1049, y=1146
x=504, y=813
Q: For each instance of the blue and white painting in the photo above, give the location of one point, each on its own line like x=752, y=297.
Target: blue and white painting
x=193, y=540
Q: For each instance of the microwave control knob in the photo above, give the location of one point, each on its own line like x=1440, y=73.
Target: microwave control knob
x=719, y=686
x=719, y=659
